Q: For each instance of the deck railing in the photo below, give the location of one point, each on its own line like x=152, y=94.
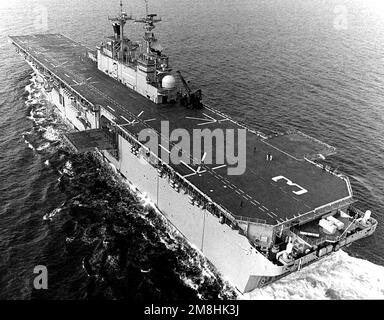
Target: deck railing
x=249, y=219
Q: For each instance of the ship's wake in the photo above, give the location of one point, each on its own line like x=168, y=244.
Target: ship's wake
x=338, y=276
x=44, y=138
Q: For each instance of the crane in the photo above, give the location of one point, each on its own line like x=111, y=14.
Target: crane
x=192, y=99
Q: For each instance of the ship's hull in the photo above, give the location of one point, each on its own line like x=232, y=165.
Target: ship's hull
x=231, y=253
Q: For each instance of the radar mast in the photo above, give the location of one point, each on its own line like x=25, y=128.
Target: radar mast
x=149, y=24
x=118, y=24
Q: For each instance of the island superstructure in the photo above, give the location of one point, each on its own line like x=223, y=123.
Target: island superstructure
x=283, y=213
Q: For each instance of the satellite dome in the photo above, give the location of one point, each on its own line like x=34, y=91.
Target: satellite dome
x=168, y=82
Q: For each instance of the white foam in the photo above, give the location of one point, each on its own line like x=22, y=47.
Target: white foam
x=28, y=88
x=32, y=101
x=338, y=276
x=29, y=145
x=68, y=168
x=43, y=146
x=51, y=134
x=70, y=239
x=39, y=120
x=40, y=109
x=39, y=115
x=51, y=214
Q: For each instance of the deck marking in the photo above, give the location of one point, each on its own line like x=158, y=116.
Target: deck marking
x=207, y=120
x=189, y=167
x=148, y=120
x=290, y=183
x=61, y=64
x=190, y=174
x=286, y=153
x=202, y=160
x=125, y=119
x=164, y=149
x=129, y=123
x=218, y=167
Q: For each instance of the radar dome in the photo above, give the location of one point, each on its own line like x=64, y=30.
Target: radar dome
x=168, y=82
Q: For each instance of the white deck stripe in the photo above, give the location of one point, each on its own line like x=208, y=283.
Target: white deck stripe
x=164, y=148
x=189, y=167
x=218, y=167
x=125, y=119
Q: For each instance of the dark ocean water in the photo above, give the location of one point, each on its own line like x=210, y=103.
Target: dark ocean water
x=274, y=64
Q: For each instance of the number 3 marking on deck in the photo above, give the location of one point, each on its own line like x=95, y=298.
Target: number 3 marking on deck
x=290, y=183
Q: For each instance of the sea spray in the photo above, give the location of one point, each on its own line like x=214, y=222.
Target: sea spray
x=338, y=276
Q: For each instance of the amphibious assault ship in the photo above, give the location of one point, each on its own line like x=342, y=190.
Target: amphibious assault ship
x=284, y=212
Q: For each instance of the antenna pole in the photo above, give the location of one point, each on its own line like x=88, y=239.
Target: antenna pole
x=121, y=29
x=149, y=24
x=121, y=21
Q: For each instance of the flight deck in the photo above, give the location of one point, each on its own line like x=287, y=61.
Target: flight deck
x=273, y=191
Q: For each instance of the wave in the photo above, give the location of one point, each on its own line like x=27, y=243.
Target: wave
x=338, y=276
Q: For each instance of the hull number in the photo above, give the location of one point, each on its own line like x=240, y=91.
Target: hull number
x=290, y=183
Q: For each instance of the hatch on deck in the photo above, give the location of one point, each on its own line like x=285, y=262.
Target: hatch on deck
x=88, y=140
